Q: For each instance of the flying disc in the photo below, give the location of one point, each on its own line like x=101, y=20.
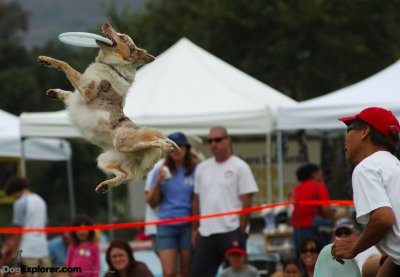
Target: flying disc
x=82, y=39
x=326, y=266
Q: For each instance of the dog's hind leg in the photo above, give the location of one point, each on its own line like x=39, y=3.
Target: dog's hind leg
x=109, y=163
x=132, y=140
x=58, y=94
x=106, y=185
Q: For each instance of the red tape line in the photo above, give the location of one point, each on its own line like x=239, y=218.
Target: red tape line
x=131, y=225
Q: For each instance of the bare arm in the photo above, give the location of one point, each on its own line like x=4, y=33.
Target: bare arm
x=17, y=240
x=247, y=200
x=324, y=195
x=10, y=246
x=195, y=212
x=153, y=197
x=380, y=222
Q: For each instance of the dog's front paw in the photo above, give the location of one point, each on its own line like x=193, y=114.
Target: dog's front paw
x=53, y=94
x=102, y=188
x=44, y=60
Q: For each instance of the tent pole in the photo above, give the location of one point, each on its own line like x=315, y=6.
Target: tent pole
x=268, y=178
x=23, y=159
x=71, y=192
x=280, y=165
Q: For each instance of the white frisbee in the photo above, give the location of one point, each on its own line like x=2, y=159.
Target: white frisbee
x=328, y=267
x=82, y=39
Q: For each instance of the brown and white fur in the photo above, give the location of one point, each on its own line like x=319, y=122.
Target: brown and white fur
x=96, y=108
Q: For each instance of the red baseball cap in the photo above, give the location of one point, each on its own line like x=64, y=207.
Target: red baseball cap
x=237, y=247
x=381, y=119
x=236, y=250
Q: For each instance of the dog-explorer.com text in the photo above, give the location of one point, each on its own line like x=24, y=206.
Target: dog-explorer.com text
x=38, y=269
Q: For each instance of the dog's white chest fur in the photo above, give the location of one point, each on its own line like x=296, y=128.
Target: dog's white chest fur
x=86, y=119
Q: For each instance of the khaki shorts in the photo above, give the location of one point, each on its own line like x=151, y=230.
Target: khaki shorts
x=34, y=262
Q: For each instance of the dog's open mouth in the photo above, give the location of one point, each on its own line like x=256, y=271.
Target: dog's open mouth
x=114, y=43
x=109, y=33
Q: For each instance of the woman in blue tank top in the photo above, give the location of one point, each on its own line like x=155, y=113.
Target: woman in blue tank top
x=172, y=191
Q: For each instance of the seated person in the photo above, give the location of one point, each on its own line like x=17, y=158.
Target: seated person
x=345, y=227
x=236, y=256
x=58, y=247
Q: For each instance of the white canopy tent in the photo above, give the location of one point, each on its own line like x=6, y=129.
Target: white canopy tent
x=34, y=148
x=48, y=149
x=321, y=113
x=185, y=89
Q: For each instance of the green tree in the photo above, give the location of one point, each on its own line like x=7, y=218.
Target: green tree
x=13, y=19
x=301, y=48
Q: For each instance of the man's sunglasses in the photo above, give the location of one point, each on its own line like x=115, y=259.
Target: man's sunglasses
x=310, y=250
x=350, y=128
x=218, y=139
x=343, y=232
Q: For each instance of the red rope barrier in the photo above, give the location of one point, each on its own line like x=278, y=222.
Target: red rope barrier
x=132, y=225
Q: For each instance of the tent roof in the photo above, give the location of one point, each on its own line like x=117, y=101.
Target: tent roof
x=322, y=113
x=35, y=148
x=185, y=89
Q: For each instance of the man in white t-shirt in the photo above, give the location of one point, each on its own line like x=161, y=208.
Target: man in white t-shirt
x=371, y=140
x=222, y=183
x=29, y=211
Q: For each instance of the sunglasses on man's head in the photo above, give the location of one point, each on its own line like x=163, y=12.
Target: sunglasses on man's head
x=218, y=139
x=342, y=232
x=310, y=250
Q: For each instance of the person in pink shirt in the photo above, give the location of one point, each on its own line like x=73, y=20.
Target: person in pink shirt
x=84, y=251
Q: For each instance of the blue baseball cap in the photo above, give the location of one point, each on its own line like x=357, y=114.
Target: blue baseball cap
x=179, y=138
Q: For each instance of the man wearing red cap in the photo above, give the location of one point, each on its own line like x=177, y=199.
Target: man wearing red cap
x=372, y=138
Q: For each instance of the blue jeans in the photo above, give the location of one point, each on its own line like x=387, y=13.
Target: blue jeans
x=174, y=236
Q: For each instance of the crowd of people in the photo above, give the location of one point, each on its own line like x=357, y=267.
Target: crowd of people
x=182, y=185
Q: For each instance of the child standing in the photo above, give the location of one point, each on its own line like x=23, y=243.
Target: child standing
x=84, y=252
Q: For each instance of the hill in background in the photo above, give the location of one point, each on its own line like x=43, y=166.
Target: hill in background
x=48, y=18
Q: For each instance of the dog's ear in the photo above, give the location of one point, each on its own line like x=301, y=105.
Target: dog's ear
x=141, y=56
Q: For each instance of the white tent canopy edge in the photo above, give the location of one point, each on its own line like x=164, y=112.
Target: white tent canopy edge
x=322, y=113
x=34, y=148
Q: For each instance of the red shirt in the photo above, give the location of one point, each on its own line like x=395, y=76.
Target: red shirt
x=303, y=215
